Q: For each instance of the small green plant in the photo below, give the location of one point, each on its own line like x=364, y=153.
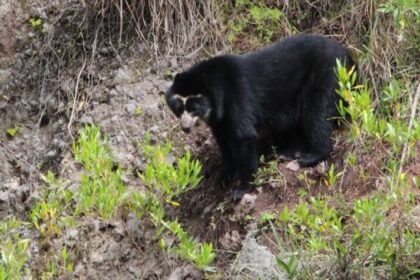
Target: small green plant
x=366, y=238
x=53, y=214
x=201, y=255
x=364, y=120
x=351, y=159
x=139, y=111
x=169, y=74
x=14, y=251
x=49, y=214
x=262, y=19
x=92, y=151
x=267, y=216
x=316, y=224
x=44, y=217
x=405, y=14
x=12, y=131
x=268, y=173
x=332, y=176
x=35, y=22
x=306, y=179
x=102, y=192
x=58, y=265
x=101, y=189
x=165, y=180
x=266, y=20
x=169, y=180
x=290, y=267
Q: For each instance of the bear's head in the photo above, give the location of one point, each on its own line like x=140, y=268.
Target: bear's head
x=188, y=100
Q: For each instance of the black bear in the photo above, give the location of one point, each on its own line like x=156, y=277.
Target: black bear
x=286, y=90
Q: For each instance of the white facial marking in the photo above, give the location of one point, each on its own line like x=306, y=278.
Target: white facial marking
x=188, y=121
x=185, y=98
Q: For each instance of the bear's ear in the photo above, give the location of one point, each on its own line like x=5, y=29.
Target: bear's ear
x=179, y=77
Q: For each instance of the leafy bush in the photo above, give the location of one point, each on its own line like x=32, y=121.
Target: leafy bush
x=14, y=251
x=165, y=181
x=170, y=180
x=359, y=234
x=101, y=188
x=258, y=19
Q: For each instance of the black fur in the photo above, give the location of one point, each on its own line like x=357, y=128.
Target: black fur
x=287, y=89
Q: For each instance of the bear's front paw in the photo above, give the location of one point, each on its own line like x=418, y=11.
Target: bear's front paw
x=238, y=193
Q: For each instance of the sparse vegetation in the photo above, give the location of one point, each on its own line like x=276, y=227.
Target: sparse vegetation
x=101, y=189
x=258, y=16
x=164, y=182
x=349, y=218
x=165, y=178
x=14, y=250
x=359, y=235
x=12, y=131
x=102, y=192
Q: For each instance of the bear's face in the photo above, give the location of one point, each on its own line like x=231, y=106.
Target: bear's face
x=188, y=102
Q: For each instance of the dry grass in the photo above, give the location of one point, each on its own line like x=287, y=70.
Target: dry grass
x=167, y=27
x=64, y=61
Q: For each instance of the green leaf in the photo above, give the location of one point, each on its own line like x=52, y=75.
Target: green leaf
x=12, y=131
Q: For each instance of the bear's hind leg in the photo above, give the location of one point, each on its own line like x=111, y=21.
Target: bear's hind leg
x=317, y=129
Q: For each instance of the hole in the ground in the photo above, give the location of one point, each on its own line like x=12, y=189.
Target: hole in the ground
x=45, y=120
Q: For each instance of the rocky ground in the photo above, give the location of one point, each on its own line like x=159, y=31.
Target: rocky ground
x=127, y=102
x=126, y=106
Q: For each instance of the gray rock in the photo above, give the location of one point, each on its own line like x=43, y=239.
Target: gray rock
x=4, y=167
x=113, y=92
x=230, y=240
x=94, y=225
x=256, y=262
x=413, y=219
x=122, y=76
x=170, y=159
x=113, y=252
x=51, y=154
x=74, y=187
x=133, y=225
x=97, y=257
x=136, y=270
x=86, y=119
x=245, y=206
x=11, y=184
x=23, y=192
x=186, y=272
x=59, y=143
x=79, y=270
x=4, y=75
x=3, y=104
x=154, y=129
x=72, y=234
x=34, y=103
x=131, y=108
x=4, y=197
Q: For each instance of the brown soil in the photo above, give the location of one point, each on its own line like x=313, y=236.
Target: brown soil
x=123, y=247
